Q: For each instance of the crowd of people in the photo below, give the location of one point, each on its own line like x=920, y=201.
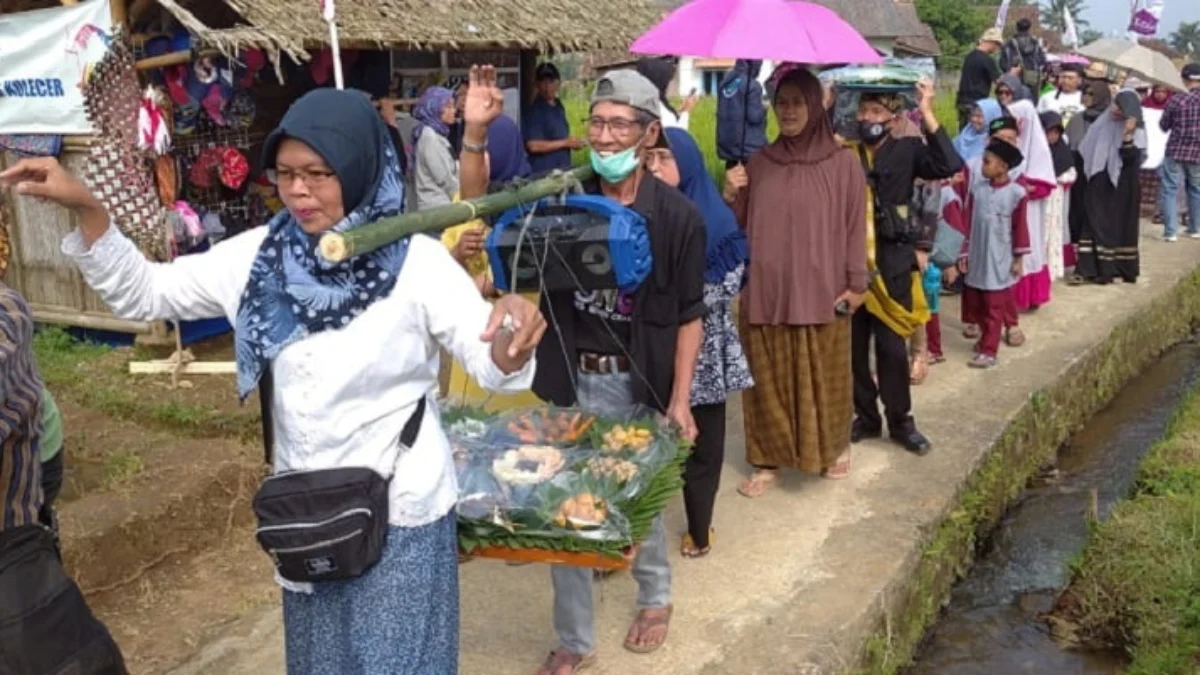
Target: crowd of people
x=831, y=294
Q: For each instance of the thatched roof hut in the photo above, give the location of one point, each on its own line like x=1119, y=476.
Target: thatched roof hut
x=544, y=25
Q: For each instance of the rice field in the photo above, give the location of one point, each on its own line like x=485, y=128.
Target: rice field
x=703, y=124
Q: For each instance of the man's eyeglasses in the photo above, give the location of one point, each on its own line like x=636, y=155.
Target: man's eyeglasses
x=619, y=126
x=310, y=179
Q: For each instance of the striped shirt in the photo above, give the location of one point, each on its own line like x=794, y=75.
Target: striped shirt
x=20, y=415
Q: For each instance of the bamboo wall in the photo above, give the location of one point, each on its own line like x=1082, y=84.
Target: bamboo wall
x=51, y=284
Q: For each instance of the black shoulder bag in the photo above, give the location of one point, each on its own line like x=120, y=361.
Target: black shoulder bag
x=325, y=524
x=891, y=225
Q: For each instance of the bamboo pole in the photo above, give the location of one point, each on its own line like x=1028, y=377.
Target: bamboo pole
x=172, y=59
x=338, y=246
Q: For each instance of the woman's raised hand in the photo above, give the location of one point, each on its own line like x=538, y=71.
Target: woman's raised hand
x=484, y=101
x=45, y=178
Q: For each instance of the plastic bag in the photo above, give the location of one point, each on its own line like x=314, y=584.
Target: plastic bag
x=558, y=478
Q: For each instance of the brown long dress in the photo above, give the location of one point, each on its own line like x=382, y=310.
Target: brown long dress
x=805, y=216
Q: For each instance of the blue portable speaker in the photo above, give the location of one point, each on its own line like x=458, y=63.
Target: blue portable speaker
x=582, y=242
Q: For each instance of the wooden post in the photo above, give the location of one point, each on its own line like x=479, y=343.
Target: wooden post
x=138, y=9
x=164, y=60
x=119, y=14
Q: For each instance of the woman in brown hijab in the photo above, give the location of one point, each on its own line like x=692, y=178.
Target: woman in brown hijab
x=802, y=201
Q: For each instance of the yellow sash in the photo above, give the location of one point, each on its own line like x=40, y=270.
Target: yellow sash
x=878, y=302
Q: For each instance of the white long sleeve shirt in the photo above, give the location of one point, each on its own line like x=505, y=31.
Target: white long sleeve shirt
x=341, y=397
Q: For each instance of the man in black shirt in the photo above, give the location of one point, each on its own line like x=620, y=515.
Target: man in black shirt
x=893, y=164
x=611, y=350
x=1024, y=57
x=979, y=74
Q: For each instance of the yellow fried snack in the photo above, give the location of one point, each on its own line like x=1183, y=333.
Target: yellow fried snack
x=581, y=511
x=621, y=438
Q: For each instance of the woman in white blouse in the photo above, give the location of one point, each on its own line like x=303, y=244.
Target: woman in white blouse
x=353, y=349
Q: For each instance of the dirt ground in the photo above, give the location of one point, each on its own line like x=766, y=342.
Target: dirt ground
x=155, y=506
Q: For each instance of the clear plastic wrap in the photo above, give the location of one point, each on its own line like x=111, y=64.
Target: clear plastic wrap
x=561, y=479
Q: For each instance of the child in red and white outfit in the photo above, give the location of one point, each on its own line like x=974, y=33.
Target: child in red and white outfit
x=998, y=243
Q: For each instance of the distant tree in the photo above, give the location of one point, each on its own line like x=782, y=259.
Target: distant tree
x=956, y=27
x=1053, y=19
x=1089, y=35
x=1186, y=38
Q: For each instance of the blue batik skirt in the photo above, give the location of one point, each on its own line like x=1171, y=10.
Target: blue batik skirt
x=400, y=618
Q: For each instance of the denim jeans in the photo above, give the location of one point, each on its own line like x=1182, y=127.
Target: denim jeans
x=574, y=619
x=1175, y=174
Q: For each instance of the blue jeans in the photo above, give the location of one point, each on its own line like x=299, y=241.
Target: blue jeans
x=1174, y=174
x=573, y=603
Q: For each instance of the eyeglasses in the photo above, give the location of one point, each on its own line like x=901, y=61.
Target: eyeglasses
x=619, y=126
x=656, y=158
x=310, y=179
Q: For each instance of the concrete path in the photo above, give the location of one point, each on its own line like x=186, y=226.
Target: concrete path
x=796, y=579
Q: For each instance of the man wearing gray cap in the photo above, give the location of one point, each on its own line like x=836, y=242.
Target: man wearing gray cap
x=613, y=350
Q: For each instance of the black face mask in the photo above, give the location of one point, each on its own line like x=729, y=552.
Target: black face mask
x=871, y=132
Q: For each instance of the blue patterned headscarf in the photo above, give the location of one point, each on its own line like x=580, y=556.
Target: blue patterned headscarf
x=292, y=291
x=428, y=111
x=727, y=246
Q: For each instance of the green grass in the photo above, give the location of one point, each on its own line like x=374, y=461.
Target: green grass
x=120, y=467
x=703, y=125
x=1138, y=583
x=96, y=376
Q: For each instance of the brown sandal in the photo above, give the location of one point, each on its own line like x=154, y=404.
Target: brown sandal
x=1014, y=337
x=759, y=483
x=645, y=624
x=972, y=332
x=689, y=549
x=560, y=658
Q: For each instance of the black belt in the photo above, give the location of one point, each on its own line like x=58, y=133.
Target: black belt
x=602, y=364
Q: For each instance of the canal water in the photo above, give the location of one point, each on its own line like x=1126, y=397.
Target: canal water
x=992, y=625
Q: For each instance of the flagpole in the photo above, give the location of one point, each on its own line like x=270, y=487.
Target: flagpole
x=330, y=13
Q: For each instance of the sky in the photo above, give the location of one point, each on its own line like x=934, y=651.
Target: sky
x=1109, y=15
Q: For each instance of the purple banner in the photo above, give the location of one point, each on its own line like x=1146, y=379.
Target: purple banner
x=1144, y=23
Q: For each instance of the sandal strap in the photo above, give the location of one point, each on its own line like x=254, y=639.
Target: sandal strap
x=563, y=657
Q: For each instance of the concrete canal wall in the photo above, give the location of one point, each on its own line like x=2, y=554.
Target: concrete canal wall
x=822, y=577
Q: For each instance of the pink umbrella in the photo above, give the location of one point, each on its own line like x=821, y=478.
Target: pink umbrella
x=1076, y=59
x=775, y=30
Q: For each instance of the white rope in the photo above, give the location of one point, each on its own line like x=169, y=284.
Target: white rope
x=540, y=262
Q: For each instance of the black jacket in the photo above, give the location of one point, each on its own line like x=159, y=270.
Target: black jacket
x=898, y=163
x=671, y=296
